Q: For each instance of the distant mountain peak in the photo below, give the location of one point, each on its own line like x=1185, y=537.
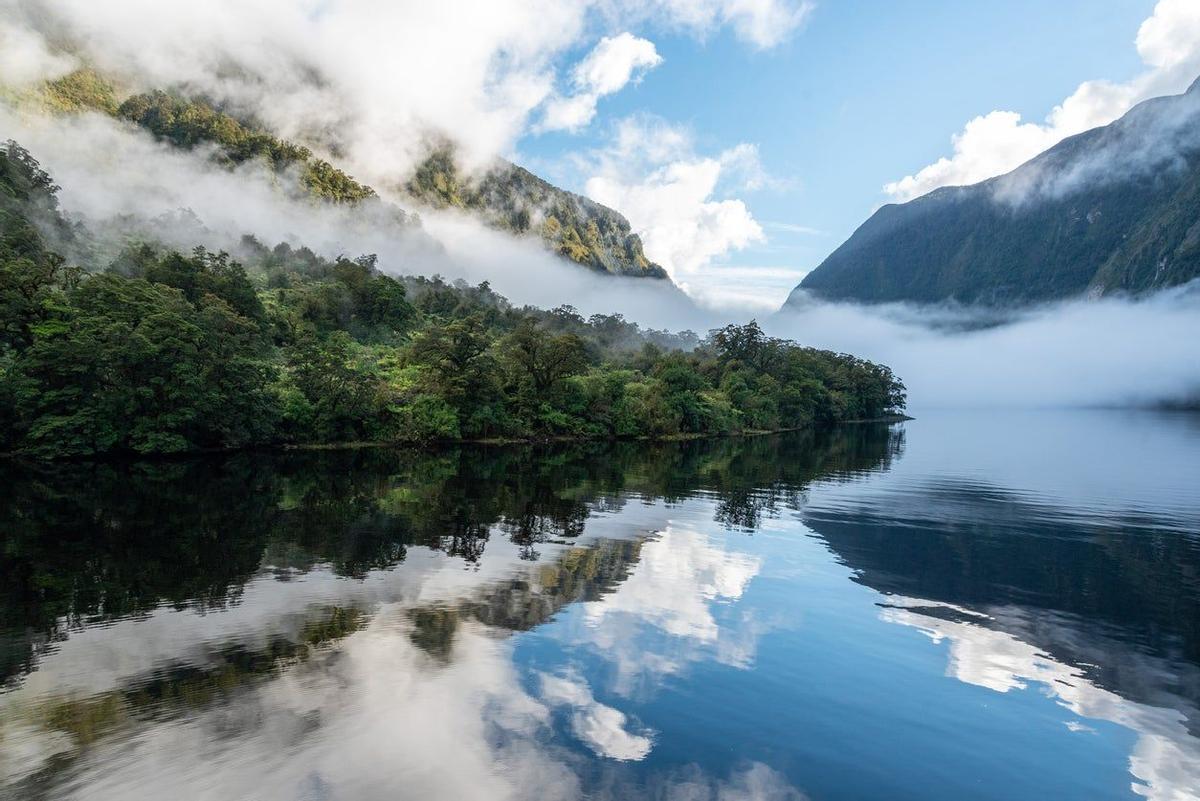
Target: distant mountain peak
x=511, y=198
x=1115, y=209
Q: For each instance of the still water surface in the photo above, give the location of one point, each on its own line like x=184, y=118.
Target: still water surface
x=966, y=606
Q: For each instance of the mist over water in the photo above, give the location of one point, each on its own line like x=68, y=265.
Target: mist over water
x=1111, y=351
x=1105, y=352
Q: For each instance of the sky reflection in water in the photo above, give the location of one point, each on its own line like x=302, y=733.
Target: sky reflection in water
x=967, y=606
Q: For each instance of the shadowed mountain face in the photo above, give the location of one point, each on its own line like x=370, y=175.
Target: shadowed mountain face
x=1112, y=210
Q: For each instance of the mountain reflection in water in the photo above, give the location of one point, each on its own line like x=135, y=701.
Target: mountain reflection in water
x=726, y=619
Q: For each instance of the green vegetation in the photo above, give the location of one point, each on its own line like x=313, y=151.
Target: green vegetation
x=81, y=90
x=507, y=197
x=187, y=123
x=192, y=122
x=160, y=352
x=91, y=542
x=513, y=199
x=1064, y=224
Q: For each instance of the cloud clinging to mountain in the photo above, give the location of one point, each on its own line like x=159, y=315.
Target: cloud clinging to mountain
x=991, y=144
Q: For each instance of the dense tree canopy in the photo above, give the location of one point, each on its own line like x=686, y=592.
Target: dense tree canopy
x=164, y=352
x=188, y=123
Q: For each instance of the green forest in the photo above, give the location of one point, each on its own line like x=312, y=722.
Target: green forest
x=505, y=197
x=161, y=352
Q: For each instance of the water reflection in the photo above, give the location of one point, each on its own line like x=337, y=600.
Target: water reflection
x=298, y=618
x=917, y=612
x=1165, y=760
x=1094, y=600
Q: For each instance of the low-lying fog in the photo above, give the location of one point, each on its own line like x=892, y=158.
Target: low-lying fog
x=1112, y=351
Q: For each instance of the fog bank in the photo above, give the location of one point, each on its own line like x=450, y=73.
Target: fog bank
x=121, y=183
x=1109, y=352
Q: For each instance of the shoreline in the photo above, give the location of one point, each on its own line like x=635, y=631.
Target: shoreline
x=433, y=445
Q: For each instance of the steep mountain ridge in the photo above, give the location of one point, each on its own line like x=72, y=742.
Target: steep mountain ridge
x=513, y=199
x=1112, y=210
x=506, y=197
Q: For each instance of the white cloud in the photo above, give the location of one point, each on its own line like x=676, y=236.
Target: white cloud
x=761, y=23
x=373, y=79
x=613, y=63
x=744, y=289
x=1079, y=353
x=669, y=193
x=1165, y=756
x=25, y=59
x=109, y=170
x=602, y=727
x=793, y=228
x=995, y=143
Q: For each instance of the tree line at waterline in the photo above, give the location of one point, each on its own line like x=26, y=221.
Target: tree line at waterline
x=157, y=351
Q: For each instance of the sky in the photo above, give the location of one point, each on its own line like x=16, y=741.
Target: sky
x=743, y=139
x=859, y=96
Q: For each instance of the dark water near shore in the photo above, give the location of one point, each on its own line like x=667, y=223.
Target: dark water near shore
x=966, y=606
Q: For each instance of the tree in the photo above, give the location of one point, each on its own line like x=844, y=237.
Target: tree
x=31, y=274
x=131, y=365
x=340, y=393
x=744, y=343
x=544, y=359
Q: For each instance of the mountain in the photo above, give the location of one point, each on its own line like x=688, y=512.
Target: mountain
x=1112, y=210
x=513, y=199
x=506, y=197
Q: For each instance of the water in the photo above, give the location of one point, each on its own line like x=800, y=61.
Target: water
x=983, y=606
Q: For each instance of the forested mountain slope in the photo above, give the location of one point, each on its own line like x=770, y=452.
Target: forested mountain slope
x=1113, y=210
x=506, y=197
x=158, y=351
x=514, y=199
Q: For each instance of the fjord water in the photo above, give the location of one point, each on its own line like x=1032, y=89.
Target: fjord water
x=968, y=605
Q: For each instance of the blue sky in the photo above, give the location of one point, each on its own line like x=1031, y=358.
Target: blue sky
x=862, y=94
x=743, y=139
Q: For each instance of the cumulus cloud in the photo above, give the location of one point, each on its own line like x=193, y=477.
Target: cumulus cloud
x=761, y=23
x=613, y=63
x=602, y=727
x=991, y=144
x=373, y=80
x=671, y=194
